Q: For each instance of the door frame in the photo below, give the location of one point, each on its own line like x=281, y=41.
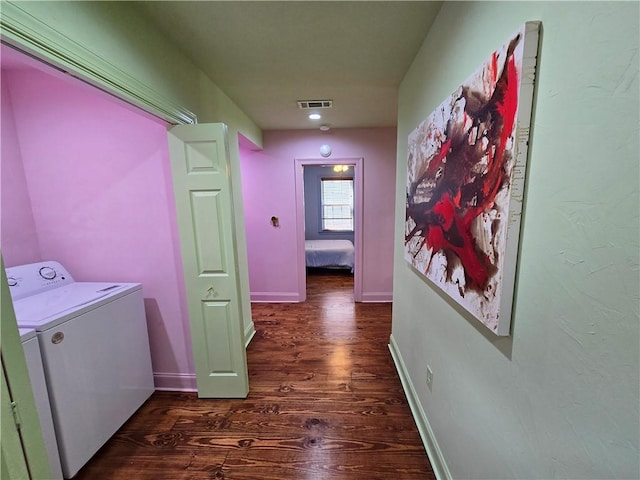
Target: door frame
x=33, y=37
x=28, y=34
x=358, y=197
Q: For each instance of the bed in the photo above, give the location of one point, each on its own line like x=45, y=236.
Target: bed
x=329, y=253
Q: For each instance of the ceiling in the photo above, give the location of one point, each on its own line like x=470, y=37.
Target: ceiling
x=267, y=55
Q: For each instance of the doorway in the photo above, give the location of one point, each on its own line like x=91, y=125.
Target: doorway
x=93, y=189
x=357, y=165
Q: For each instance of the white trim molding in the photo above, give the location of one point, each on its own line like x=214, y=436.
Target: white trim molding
x=249, y=333
x=358, y=186
x=434, y=453
x=377, y=297
x=175, y=382
x=34, y=37
x=276, y=297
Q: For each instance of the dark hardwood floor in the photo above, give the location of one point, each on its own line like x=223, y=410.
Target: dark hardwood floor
x=325, y=403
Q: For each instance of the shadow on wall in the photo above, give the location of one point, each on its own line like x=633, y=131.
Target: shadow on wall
x=503, y=344
x=158, y=336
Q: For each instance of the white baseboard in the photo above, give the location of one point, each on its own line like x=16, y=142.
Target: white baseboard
x=377, y=297
x=249, y=332
x=175, y=382
x=294, y=297
x=275, y=297
x=434, y=453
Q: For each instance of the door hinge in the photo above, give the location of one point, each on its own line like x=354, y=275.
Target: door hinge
x=16, y=415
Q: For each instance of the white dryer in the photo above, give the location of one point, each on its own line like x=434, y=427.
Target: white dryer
x=95, y=351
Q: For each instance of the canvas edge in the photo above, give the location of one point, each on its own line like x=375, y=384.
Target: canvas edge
x=523, y=125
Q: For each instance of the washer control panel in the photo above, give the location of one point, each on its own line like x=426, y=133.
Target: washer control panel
x=33, y=278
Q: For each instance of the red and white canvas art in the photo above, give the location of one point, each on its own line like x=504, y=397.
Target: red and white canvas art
x=465, y=183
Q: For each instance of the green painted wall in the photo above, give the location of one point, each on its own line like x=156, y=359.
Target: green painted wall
x=559, y=398
x=118, y=33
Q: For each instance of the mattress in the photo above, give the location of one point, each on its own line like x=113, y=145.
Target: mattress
x=329, y=253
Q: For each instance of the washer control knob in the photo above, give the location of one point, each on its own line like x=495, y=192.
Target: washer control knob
x=12, y=281
x=47, y=273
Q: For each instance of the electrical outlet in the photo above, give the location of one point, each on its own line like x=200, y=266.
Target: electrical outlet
x=429, y=377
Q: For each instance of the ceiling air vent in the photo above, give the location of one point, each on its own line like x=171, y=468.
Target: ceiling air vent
x=312, y=104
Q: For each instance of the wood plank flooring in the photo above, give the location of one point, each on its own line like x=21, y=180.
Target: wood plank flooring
x=325, y=403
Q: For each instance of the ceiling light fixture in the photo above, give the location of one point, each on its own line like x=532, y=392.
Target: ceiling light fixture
x=315, y=116
x=324, y=128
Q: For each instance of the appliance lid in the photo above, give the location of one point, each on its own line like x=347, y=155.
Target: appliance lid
x=26, y=334
x=37, y=310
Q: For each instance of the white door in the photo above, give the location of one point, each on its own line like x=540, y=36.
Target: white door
x=206, y=224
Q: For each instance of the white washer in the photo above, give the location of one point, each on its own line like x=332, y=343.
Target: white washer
x=41, y=396
x=95, y=351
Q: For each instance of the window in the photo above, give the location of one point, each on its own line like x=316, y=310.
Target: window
x=337, y=204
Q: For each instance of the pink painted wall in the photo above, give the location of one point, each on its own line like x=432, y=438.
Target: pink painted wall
x=98, y=179
x=268, y=179
x=19, y=236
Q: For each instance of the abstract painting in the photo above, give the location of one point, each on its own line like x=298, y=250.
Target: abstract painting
x=465, y=183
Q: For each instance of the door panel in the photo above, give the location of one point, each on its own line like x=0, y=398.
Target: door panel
x=205, y=206
x=206, y=224
x=217, y=320
x=202, y=157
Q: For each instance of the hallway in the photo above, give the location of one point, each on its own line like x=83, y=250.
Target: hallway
x=325, y=402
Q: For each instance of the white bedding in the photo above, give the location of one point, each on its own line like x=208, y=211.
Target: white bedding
x=329, y=253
